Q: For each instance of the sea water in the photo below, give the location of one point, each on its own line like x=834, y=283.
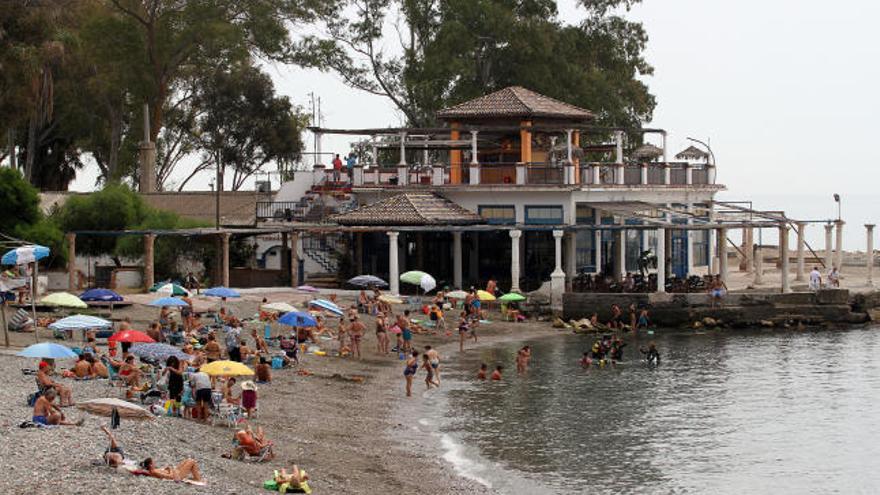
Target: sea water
x=725, y=412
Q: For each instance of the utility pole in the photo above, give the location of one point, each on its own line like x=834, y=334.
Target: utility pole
x=217, y=189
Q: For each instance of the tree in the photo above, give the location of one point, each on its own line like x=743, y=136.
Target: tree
x=22, y=218
x=452, y=50
x=244, y=125
x=114, y=208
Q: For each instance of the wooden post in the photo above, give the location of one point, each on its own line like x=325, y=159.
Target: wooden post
x=454, y=156
x=576, y=142
x=71, y=262
x=525, y=139
x=149, y=279
x=224, y=275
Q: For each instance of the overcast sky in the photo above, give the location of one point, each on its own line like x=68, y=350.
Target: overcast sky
x=784, y=89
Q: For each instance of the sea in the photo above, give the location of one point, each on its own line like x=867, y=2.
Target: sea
x=747, y=411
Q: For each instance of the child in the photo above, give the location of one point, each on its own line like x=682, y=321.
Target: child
x=342, y=337
x=496, y=375
x=481, y=374
x=429, y=377
x=463, y=329
x=409, y=371
x=643, y=319
x=249, y=398
x=586, y=361
x=263, y=371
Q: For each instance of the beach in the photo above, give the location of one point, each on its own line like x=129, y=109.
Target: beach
x=348, y=434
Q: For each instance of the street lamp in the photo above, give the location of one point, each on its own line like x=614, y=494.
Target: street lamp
x=837, y=200
x=708, y=148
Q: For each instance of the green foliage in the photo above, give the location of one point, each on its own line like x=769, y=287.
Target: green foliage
x=20, y=201
x=114, y=208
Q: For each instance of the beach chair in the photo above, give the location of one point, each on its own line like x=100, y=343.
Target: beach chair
x=224, y=412
x=113, y=376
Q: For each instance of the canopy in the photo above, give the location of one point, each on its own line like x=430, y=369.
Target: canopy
x=25, y=254
x=169, y=301
x=390, y=299
x=368, y=281
x=104, y=407
x=63, y=300
x=222, y=292
x=105, y=295
x=168, y=289
x=457, y=294
x=298, y=319
x=226, y=368
x=48, y=350
x=485, y=296
x=131, y=336
x=278, y=307
x=327, y=305
x=158, y=352
x=307, y=288
x=80, y=322
x=422, y=279
x=512, y=297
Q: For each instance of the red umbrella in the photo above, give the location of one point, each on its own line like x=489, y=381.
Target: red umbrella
x=131, y=336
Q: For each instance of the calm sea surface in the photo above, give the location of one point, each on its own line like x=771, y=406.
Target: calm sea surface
x=782, y=412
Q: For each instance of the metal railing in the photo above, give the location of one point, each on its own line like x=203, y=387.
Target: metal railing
x=280, y=210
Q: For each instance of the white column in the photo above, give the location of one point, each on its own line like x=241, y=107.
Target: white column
x=713, y=267
x=722, y=254
x=661, y=260
x=688, y=174
x=402, y=168
x=597, y=173
x=838, y=256
x=829, y=249
x=869, y=254
x=801, y=251
x=393, y=268
x=557, y=278
x=783, y=255
x=689, y=239
x=514, y=260
x=663, y=144
x=618, y=157
x=474, y=160
x=667, y=174
x=620, y=255
x=597, y=239
x=644, y=171
x=456, y=259
x=759, y=265
x=568, y=133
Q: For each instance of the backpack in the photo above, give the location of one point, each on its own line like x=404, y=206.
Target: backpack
x=32, y=398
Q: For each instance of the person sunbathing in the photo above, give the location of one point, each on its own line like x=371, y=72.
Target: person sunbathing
x=46, y=383
x=187, y=470
x=251, y=443
x=114, y=456
x=46, y=413
x=83, y=369
x=296, y=479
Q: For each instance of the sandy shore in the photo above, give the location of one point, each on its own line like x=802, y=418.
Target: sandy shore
x=348, y=435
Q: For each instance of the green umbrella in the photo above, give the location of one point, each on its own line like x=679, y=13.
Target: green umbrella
x=512, y=297
x=414, y=277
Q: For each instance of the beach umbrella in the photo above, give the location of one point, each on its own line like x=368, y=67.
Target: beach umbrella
x=512, y=297
x=368, y=281
x=158, y=352
x=169, y=289
x=131, y=336
x=48, y=350
x=105, y=295
x=222, y=292
x=278, y=307
x=169, y=301
x=422, y=279
x=457, y=294
x=327, y=306
x=390, y=299
x=25, y=254
x=298, y=319
x=104, y=407
x=307, y=288
x=63, y=300
x=485, y=296
x=226, y=368
x=80, y=322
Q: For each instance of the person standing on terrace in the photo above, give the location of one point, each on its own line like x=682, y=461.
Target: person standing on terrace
x=337, y=168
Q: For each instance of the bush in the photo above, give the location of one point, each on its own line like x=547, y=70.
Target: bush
x=20, y=201
x=114, y=208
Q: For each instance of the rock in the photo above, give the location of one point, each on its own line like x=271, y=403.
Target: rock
x=697, y=325
x=767, y=323
x=558, y=323
x=710, y=322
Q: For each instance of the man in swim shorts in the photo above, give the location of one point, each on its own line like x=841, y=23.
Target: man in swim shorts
x=46, y=413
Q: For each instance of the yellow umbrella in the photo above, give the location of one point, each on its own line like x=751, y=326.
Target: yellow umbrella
x=390, y=300
x=226, y=368
x=484, y=296
x=64, y=300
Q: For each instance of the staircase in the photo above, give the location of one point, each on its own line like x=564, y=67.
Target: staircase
x=324, y=249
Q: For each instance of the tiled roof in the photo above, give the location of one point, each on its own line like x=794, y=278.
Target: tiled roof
x=692, y=153
x=410, y=209
x=515, y=102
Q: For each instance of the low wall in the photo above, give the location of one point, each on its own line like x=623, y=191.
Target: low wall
x=749, y=309
x=254, y=277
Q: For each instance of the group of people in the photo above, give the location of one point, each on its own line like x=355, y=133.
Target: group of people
x=832, y=280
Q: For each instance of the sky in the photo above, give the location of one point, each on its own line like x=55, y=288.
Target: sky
x=784, y=90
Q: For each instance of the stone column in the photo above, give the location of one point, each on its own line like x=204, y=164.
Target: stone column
x=514, y=260
x=557, y=278
x=620, y=255
x=829, y=249
x=149, y=240
x=783, y=256
x=667, y=174
x=688, y=174
x=71, y=262
x=722, y=253
x=393, y=268
x=838, y=255
x=224, y=274
x=597, y=174
x=759, y=265
x=801, y=251
x=402, y=167
x=661, y=260
x=748, y=240
x=644, y=173
x=294, y=260
x=869, y=254
x=710, y=239
x=456, y=259
x=597, y=239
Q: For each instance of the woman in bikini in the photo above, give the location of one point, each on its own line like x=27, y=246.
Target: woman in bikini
x=381, y=334
x=187, y=470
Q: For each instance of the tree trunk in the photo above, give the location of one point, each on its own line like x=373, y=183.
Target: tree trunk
x=10, y=136
x=31, y=149
x=115, y=143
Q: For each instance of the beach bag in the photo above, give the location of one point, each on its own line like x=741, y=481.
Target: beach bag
x=32, y=398
x=277, y=363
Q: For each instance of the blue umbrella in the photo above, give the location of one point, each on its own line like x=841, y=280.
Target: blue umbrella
x=327, y=305
x=47, y=350
x=25, y=254
x=158, y=352
x=298, y=319
x=169, y=301
x=221, y=292
x=80, y=322
x=368, y=281
x=105, y=295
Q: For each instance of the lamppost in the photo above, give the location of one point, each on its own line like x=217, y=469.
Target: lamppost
x=709, y=148
x=837, y=200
